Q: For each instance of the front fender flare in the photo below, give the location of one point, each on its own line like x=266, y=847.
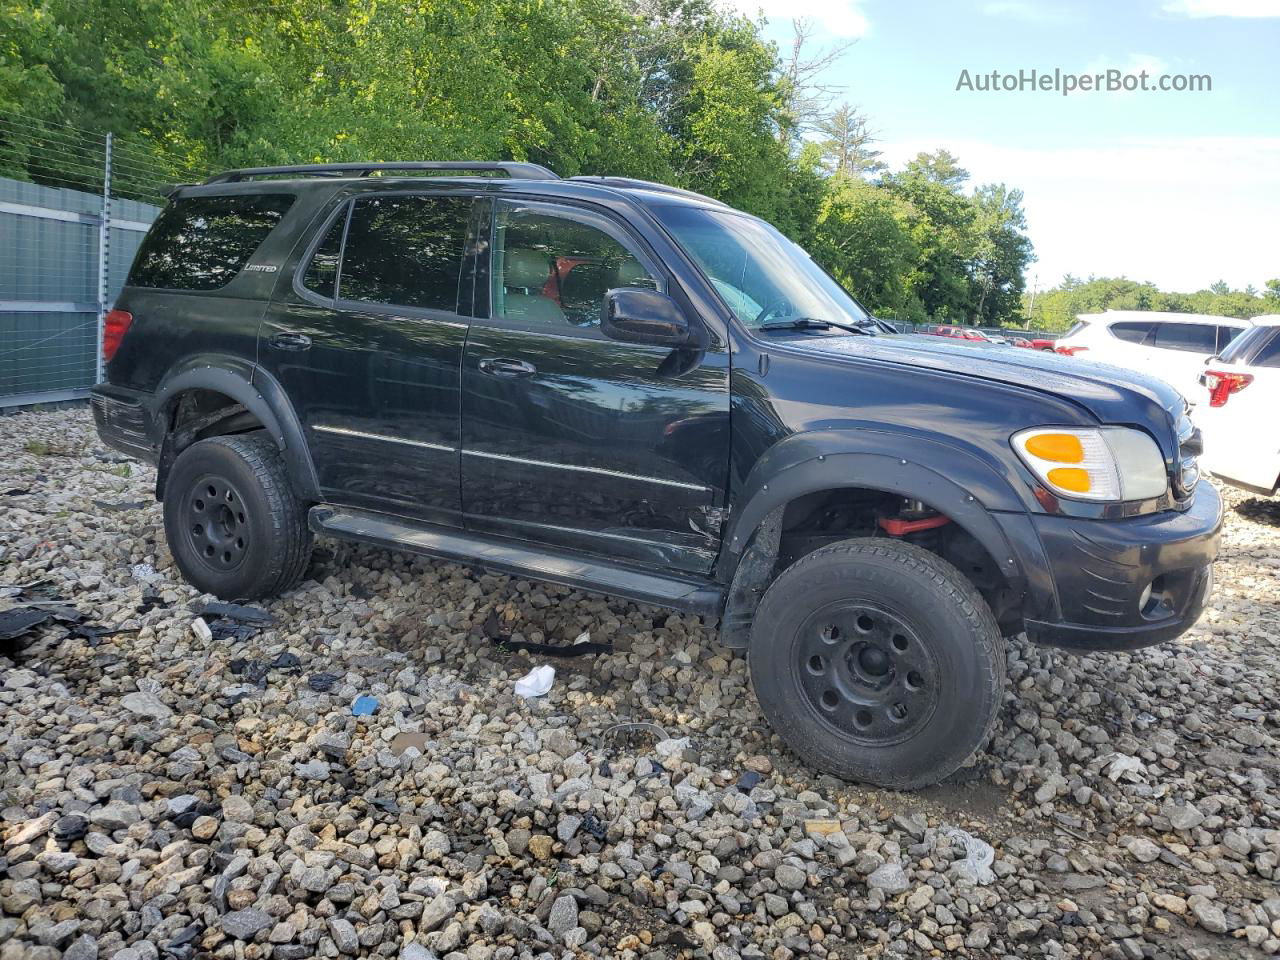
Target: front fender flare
x=949, y=478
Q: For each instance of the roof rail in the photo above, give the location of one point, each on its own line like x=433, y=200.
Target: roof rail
x=513, y=169
x=633, y=184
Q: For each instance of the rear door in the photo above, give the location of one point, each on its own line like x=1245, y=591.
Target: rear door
x=570, y=438
x=367, y=341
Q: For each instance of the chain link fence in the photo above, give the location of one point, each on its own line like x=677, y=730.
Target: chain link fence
x=74, y=205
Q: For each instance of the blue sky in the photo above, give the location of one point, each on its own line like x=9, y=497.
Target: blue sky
x=1178, y=188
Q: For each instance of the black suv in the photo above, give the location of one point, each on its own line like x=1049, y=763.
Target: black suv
x=629, y=388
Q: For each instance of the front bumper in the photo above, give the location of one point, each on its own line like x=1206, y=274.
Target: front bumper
x=1101, y=570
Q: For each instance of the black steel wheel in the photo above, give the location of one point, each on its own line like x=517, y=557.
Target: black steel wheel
x=219, y=533
x=234, y=525
x=877, y=661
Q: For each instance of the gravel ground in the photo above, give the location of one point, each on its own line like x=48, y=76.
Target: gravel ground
x=165, y=794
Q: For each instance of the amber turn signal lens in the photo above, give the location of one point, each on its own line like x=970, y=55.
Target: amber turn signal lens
x=1056, y=447
x=1070, y=478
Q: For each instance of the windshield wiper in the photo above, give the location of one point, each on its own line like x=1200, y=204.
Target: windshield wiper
x=810, y=323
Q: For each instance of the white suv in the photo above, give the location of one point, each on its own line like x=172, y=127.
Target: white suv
x=1238, y=402
x=1171, y=346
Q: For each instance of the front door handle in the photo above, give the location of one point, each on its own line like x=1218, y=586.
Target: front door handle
x=291, y=340
x=504, y=367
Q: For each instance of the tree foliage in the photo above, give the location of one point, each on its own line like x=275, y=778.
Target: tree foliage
x=1057, y=308
x=678, y=91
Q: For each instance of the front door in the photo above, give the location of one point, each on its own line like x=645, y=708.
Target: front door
x=368, y=345
x=573, y=439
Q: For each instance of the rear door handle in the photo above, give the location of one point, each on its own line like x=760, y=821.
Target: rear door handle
x=291, y=340
x=504, y=367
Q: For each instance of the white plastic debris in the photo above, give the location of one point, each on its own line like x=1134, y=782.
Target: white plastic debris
x=978, y=857
x=537, y=681
x=146, y=573
x=1119, y=764
x=201, y=630
x=583, y=637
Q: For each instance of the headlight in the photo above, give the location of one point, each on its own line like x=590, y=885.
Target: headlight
x=1103, y=463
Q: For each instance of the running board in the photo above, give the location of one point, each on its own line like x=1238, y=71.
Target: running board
x=516, y=557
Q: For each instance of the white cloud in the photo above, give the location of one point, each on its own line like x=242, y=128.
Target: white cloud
x=840, y=18
x=1224, y=8
x=1027, y=12
x=1180, y=212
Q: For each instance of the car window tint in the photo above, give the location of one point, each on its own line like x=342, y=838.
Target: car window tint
x=201, y=243
x=553, y=271
x=1269, y=354
x=1193, y=337
x=405, y=250
x=322, y=271
x=1075, y=328
x=1132, y=331
x=1226, y=335
x=1244, y=345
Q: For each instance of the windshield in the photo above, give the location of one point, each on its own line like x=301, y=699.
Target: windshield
x=760, y=274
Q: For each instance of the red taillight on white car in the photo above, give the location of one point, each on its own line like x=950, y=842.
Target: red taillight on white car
x=1222, y=385
x=114, y=326
x=1070, y=351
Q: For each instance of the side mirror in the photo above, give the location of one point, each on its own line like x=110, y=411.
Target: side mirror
x=637, y=315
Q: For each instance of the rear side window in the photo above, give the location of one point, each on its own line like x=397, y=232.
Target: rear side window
x=201, y=243
x=1191, y=337
x=1226, y=335
x=1076, y=327
x=1131, y=331
x=1257, y=346
x=406, y=250
x=322, y=272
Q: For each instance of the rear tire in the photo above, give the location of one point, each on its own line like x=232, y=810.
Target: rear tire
x=235, y=527
x=878, y=661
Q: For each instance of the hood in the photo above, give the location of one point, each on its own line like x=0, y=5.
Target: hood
x=1111, y=394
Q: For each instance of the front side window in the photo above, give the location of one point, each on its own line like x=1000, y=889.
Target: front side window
x=202, y=243
x=405, y=250
x=552, y=269
x=760, y=274
x=1189, y=337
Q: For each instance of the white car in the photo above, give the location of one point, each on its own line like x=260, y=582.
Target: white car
x=1171, y=346
x=1237, y=409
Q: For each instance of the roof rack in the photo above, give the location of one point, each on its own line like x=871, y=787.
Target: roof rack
x=514, y=169
x=630, y=182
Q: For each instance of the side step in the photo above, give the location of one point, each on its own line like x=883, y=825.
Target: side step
x=518, y=558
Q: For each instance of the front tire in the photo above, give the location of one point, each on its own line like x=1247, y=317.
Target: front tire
x=877, y=661
x=234, y=525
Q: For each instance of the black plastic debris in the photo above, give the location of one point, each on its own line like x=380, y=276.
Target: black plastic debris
x=228, y=630
x=94, y=634
x=322, y=682
x=252, y=670
x=122, y=505
x=748, y=781
x=287, y=661
x=20, y=621
x=592, y=825
x=557, y=649
x=237, y=612
x=150, y=600
x=386, y=804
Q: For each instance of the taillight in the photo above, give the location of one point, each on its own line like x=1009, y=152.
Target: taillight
x=1222, y=385
x=1070, y=351
x=114, y=326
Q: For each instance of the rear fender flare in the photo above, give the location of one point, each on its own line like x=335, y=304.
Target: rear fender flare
x=259, y=393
